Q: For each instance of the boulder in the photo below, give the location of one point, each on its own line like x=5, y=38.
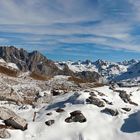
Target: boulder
x=56, y=92
x=126, y=109
x=49, y=122
x=95, y=101
x=49, y=114
x=59, y=110
x=113, y=112
x=124, y=96
x=76, y=116
x=12, y=119
x=17, y=123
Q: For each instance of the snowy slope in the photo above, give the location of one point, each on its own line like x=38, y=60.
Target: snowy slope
x=8, y=65
x=98, y=126
x=132, y=76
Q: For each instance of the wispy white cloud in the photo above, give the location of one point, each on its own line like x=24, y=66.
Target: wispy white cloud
x=50, y=24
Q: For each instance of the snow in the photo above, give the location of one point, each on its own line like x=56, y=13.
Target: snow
x=2, y=60
x=12, y=65
x=99, y=125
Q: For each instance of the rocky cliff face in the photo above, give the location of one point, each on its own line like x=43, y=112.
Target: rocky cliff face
x=25, y=61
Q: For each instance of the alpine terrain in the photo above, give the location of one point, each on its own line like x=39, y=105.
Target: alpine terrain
x=45, y=100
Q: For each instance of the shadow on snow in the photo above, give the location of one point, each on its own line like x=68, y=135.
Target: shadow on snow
x=132, y=123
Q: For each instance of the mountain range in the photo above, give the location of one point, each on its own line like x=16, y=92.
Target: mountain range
x=110, y=71
x=87, y=70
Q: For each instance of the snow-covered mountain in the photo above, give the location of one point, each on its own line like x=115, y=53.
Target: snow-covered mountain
x=131, y=76
x=108, y=70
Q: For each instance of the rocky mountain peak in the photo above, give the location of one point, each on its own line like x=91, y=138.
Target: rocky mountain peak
x=27, y=61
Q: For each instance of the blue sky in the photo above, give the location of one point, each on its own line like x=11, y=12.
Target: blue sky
x=73, y=29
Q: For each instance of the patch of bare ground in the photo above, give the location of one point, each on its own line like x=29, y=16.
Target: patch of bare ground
x=9, y=72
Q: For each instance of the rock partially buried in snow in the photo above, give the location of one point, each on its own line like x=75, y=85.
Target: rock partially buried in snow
x=113, y=112
x=49, y=114
x=56, y=92
x=76, y=116
x=50, y=122
x=133, y=103
x=109, y=103
x=12, y=119
x=4, y=134
x=124, y=96
x=17, y=123
x=59, y=110
x=126, y=109
x=95, y=101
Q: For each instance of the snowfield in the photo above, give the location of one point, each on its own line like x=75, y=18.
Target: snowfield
x=99, y=125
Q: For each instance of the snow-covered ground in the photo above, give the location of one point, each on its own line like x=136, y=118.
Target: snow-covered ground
x=98, y=125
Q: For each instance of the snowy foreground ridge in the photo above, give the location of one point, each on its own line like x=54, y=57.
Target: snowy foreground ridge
x=105, y=115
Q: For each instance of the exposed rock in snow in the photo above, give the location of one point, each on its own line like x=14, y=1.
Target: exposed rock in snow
x=126, y=109
x=16, y=122
x=11, y=119
x=95, y=101
x=76, y=116
x=50, y=122
x=59, y=110
x=113, y=112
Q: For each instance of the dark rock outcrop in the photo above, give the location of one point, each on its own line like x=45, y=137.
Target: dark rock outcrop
x=59, y=110
x=33, y=61
x=126, y=97
x=49, y=114
x=126, y=109
x=113, y=112
x=95, y=101
x=17, y=123
x=76, y=116
x=49, y=122
x=56, y=92
x=89, y=76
